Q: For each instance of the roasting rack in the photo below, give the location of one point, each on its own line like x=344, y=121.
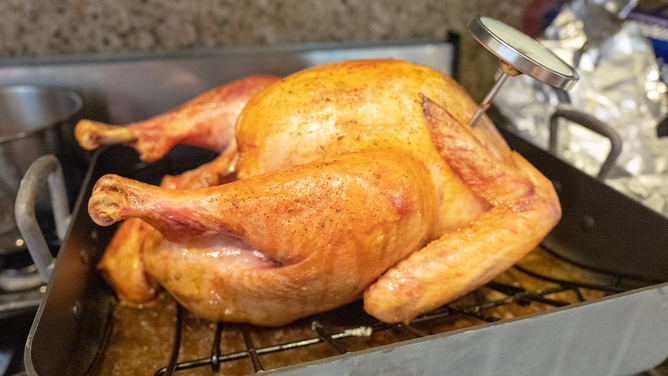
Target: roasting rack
x=479, y=312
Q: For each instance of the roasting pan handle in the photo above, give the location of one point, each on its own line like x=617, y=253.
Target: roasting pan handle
x=44, y=169
x=594, y=125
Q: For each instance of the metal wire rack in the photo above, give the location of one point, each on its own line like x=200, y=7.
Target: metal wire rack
x=512, y=295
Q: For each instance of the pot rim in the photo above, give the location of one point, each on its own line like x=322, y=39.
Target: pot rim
x=78, y=104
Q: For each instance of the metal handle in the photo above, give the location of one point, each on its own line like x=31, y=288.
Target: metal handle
x=594, y=125
x=45, y=168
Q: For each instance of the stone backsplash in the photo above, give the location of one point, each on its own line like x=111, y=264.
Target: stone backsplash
x=74, y=27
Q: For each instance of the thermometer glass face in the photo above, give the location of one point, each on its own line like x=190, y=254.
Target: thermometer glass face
x=527, y=46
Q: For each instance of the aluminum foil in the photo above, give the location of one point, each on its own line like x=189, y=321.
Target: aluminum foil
x=619, y=85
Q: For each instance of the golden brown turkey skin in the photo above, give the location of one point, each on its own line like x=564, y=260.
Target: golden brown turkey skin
x=346, y=173
x=206, y=121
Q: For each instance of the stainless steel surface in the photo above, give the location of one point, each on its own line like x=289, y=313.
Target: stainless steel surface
x=337, y=332
x=27, y=110
x=519, y=53
x=20, y=279
x=73, y=321
x=523, y=52
x=20, y=302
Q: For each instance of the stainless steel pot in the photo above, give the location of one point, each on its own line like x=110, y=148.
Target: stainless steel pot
x=35, y=121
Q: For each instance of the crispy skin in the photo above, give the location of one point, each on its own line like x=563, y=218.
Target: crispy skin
x=345, y=172
x=219, y=171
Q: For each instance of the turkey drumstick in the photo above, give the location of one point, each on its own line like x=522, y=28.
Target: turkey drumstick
x=122, y=265
x=206, y=121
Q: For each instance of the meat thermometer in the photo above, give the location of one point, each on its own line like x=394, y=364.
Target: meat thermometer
x=519, y=53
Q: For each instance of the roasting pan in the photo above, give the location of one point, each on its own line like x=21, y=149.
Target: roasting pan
x=623, y=333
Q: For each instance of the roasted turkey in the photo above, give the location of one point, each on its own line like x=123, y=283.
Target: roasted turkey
x=356, y=179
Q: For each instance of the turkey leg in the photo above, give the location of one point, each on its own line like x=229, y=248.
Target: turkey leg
x=122, y=265
x=206, y=121
x=282, y=245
